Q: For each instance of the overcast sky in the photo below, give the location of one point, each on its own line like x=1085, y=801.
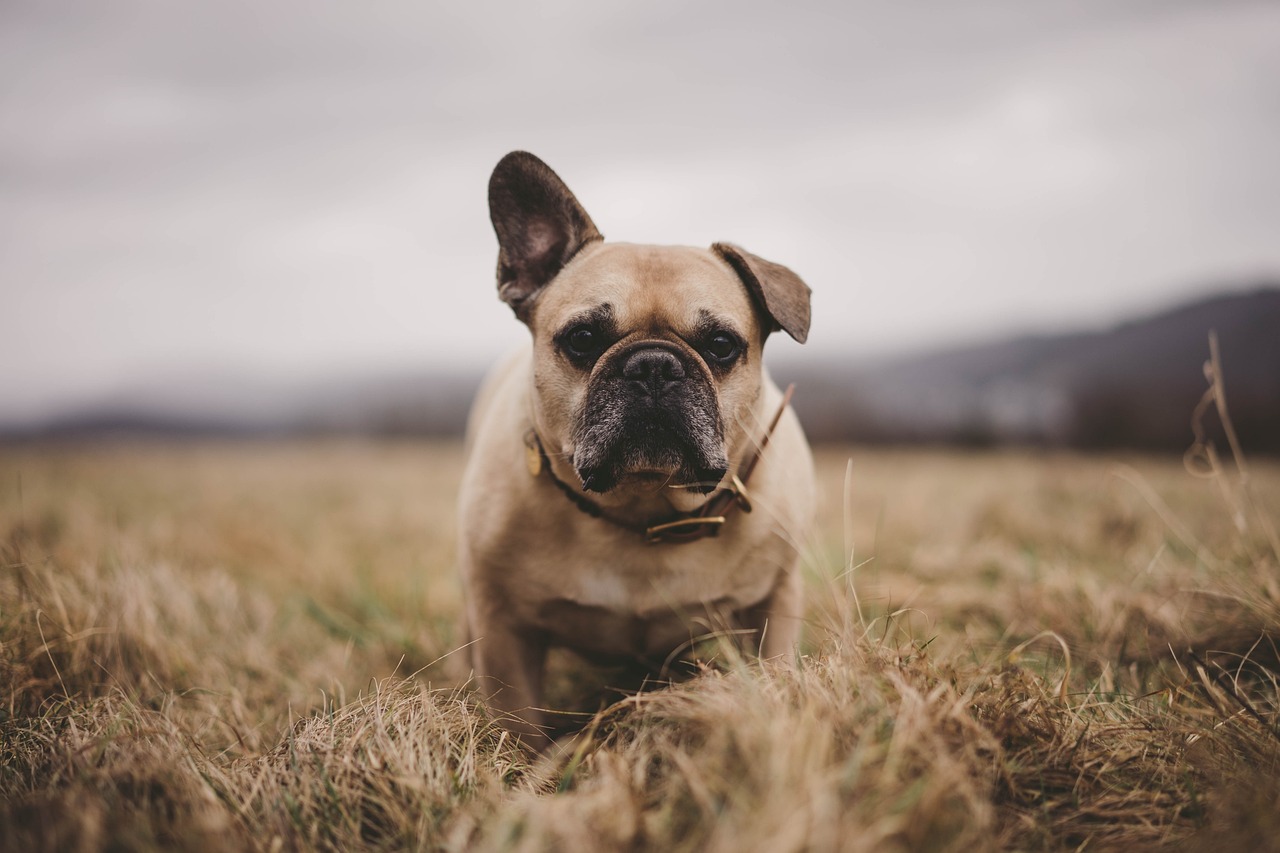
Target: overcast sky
x=292, y=189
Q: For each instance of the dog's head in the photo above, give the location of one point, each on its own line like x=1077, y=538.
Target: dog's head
x=646, y=358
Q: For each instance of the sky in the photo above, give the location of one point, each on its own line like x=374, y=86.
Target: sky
x=296, y=189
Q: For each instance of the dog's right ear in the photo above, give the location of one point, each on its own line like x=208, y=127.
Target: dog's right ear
x=540, y=227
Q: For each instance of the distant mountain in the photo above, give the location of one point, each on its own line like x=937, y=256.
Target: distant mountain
x=1134, y=385
x=241, y=405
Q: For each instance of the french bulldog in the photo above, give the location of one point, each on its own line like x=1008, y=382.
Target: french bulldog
x=634, y=478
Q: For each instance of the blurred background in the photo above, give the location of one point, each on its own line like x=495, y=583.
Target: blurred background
x=1020, y=221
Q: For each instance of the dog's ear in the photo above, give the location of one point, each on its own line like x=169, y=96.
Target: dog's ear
x=784, y=297
x=539, y=224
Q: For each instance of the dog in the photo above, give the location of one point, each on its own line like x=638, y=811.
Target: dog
x=634, y=478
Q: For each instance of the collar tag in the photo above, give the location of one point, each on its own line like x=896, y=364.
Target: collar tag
x=532, y=454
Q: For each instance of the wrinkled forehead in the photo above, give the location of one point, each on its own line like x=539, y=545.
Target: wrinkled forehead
x=671, y=286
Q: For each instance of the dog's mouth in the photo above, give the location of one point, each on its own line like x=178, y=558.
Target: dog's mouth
x=621, y=466
x=650, y=421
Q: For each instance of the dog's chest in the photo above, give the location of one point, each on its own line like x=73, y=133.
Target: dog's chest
x=649, y=600
x=649, y=578
x=603, y=589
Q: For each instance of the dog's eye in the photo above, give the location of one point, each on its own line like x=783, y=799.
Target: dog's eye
x=722, y=348
x=583, y=341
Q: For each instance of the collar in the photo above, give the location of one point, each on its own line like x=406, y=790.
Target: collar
x=679, y=528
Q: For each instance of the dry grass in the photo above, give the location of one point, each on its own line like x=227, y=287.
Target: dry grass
x=248, y=646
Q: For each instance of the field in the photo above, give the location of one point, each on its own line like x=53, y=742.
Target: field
x=252, y=646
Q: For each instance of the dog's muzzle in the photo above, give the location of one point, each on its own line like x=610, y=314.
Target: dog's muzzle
x=650, y=409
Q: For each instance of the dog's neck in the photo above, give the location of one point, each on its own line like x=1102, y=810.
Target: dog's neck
x=630, y=504
x=662, y=512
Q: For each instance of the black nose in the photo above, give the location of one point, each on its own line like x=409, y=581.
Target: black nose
x=654, y=369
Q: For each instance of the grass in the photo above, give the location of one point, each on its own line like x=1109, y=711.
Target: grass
x=251, y=646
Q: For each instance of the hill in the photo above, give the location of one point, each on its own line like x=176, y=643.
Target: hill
x=1134, y=385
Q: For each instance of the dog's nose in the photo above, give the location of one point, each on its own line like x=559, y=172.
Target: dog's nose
x=653, y=368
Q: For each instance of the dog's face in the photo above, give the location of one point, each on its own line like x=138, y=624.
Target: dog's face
x=647, y=358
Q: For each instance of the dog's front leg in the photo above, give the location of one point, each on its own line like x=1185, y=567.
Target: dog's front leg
x=509, y=666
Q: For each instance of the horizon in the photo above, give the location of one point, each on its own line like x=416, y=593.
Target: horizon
x=432, y=398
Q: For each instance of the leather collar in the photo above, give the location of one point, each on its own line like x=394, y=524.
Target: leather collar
x=679, y=528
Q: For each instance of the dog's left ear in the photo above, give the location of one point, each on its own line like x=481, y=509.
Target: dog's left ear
x=540, y=227
x=784, y=297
